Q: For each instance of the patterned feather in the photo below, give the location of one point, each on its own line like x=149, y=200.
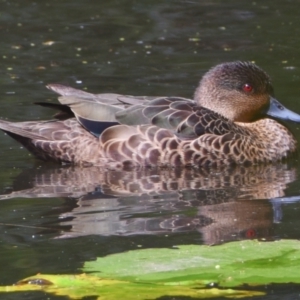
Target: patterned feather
x=224, y=124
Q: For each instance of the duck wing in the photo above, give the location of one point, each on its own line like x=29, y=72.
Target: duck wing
x=187, y=119
x=97, y=112
x=204, y=121
x=182, y=116
x=64, y=112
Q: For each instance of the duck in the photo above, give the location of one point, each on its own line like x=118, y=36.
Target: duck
x=231, y=120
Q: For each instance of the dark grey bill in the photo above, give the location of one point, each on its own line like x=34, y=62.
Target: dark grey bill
x=277, y=110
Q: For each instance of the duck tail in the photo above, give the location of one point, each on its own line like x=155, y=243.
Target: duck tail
x=21, y=133
x=20, y=129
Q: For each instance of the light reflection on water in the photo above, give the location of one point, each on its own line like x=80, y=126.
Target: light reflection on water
x=140, y=48
x=222, y=205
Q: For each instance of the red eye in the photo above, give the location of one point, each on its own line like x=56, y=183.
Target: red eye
x=247, y=88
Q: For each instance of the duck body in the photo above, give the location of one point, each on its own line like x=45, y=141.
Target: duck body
x=225, y=124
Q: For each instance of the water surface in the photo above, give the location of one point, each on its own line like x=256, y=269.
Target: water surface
x=55, y=218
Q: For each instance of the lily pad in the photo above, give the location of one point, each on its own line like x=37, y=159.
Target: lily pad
x=199, y=272
x=83, y=285
x=227, y=265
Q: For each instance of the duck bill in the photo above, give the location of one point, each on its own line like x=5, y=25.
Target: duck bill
x=278, y=111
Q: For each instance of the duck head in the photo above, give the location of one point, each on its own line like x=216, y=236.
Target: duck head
x=241, y=92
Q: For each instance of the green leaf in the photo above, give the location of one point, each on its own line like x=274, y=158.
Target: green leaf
x=228, y=265
x=187, y=270
x=79, y=286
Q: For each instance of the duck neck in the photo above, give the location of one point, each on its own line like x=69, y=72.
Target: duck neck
x=272, y=140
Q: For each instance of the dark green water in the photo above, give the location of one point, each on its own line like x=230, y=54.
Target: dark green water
x=58, y=217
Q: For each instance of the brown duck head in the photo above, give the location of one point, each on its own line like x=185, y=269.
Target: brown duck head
x=242, y=92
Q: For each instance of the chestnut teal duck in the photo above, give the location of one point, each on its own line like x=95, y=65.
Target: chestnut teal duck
x=231, y=120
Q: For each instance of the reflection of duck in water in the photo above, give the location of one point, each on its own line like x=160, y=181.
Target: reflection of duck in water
x=226, y=123
x=222, y=206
